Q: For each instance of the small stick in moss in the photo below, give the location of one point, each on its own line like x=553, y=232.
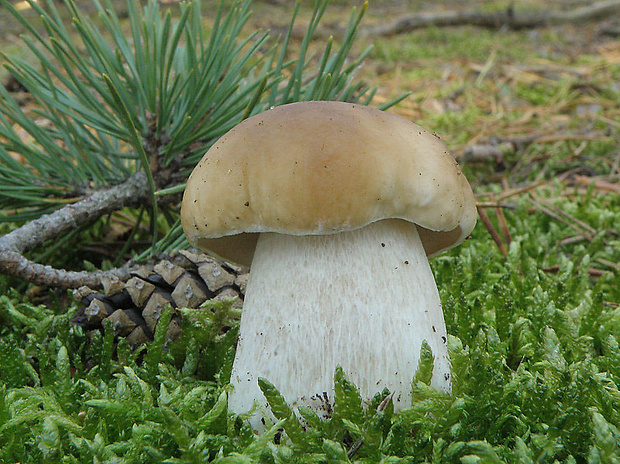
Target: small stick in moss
x=492, y=231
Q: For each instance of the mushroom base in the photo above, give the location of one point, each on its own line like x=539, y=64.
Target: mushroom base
x=364, y=300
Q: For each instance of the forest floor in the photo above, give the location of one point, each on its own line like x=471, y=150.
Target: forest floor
x=531, y=300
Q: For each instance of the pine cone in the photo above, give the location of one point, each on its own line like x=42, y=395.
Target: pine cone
x=185, y=279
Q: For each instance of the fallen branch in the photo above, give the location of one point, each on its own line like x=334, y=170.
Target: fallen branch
x=484, y=152
x=15, y=244
x=508, y=18
x=499, y=147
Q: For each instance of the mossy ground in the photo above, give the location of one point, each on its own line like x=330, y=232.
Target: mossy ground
x=534, y=316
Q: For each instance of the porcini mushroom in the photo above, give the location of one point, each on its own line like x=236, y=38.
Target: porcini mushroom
x=336, y=206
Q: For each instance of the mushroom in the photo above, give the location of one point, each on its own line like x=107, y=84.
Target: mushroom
x=336, y=206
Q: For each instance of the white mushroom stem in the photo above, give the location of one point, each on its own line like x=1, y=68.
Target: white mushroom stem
x=364, y=300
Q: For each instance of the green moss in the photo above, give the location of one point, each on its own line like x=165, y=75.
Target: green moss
x=467, y=43
x=457, y=123
x=535, y=352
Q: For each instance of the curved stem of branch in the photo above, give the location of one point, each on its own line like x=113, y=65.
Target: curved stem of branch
x=13, y=245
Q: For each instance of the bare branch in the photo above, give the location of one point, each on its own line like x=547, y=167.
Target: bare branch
x=508, y=18
x=50, y=226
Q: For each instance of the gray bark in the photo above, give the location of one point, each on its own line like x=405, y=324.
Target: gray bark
x=15, y=244
x=508, y=18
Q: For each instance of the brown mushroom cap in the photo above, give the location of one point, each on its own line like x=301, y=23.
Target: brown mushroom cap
x=318, y=168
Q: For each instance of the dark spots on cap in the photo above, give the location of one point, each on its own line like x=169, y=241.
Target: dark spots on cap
x=406, y=262
x=247, y=203
x=444, y=339
x=383, y=245
x=434, y=329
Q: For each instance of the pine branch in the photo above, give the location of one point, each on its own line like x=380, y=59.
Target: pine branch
x=150, y=98
x=15, y=244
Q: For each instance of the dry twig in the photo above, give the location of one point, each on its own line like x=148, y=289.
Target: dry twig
x=600, y=184
x=592, y=271
x=503, y=224
x=497, y=148
x=563, y=217
x=492, y=231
